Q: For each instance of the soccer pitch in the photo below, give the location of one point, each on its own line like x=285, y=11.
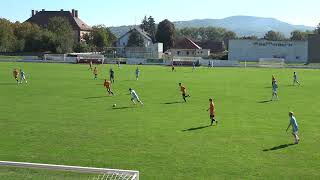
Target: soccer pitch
x=63, y=116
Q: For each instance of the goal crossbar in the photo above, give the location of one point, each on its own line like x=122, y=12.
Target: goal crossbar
x=134, y=175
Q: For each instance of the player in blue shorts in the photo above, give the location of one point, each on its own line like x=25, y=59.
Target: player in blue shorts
x=137, y=73
x=274, y=91
x=23, y=77
x=111, y=73
x=295, y=79
x=295, y=127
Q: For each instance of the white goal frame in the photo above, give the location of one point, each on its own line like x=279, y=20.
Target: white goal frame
x=272, y=62
x=103, y=173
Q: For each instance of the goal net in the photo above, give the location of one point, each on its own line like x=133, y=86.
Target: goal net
x=55, y=57
x=19, y=170
x=271, y=62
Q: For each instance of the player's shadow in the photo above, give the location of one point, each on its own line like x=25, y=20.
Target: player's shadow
x=176, y=102
x=266, y=101
x=97, y=97
x=195, y=128
x=119, y=108
x=279, y=147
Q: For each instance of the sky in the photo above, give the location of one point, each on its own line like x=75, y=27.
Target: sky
x=130, y=12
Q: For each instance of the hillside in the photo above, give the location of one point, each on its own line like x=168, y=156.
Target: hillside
x=242, y=25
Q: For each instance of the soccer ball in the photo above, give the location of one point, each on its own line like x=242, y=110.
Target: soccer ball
x=114, y=105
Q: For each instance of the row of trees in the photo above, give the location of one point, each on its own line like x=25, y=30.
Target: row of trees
x=278, y=36
x=167, y=34
x=207, y=33
x=58, y=37
x=99, y=39
x=295, y=35
x=149, y=25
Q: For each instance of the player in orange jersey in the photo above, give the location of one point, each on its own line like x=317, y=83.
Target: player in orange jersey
x=95, y=73
x=16, y=74
x=184, y=92
x=107, y=85
x=212, y=112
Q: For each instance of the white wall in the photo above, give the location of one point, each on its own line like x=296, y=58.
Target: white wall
x=253, y=50
x=189, y=52
x=136, y=61
x=153, y=51
x=219, y=63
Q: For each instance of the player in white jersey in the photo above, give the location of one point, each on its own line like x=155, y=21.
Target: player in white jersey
x=135, y=97
x=23, y=77
x=295, y=79
x=274, y=91
x=295, y=127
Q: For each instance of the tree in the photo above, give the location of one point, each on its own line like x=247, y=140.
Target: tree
x=144, y=24
x=149, y=26
x=8, y=41
x=82, y=47
x=47, y=41
x=317, y=30
x=135, y=39
x=227, y=36
x=274, y=36
x=298, y=35
x=166, y=34
x=100, y=38
x=29, y=36
x=253, y=37
x=152, y=28
x=206, y=33
x=64, y=38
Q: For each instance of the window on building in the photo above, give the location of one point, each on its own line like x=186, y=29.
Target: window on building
x=187, y=53
x=178, y=52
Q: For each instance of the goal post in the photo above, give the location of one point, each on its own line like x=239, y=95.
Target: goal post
x=55, y=57
x=89, y=172
x=271, y=62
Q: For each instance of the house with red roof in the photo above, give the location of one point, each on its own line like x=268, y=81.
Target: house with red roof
x=42, y=18
x=185, y=47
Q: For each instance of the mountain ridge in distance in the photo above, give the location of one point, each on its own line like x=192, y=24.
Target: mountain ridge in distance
x=241, y=25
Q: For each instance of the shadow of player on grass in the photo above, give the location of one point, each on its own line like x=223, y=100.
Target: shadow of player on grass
x=176, y=102
x=279, y=147
x=125, y=107
x=266, y=101
x=196, y=128
x=97, y=97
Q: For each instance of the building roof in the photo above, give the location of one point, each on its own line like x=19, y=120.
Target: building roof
x=186, y=43
x=42, y=19
x=214, y=46
x=139, y=30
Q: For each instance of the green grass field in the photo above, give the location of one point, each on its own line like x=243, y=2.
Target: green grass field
x=63, y=116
